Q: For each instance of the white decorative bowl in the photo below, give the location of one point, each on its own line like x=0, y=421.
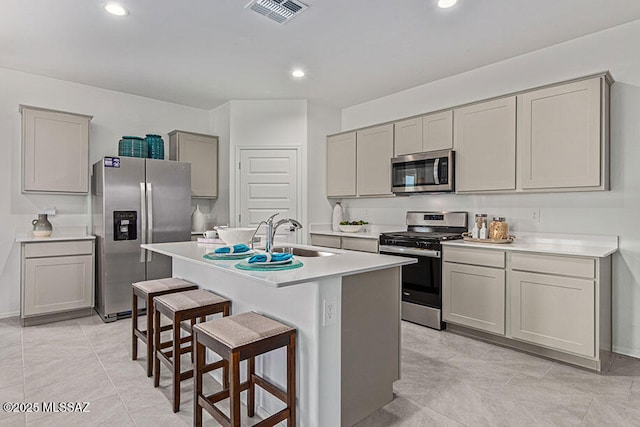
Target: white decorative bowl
x=234, y=236
x=350, y=228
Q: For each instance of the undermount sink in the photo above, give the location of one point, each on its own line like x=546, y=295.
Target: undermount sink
x=302, y=252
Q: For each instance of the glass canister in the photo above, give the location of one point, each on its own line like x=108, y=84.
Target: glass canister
x=480, y=220
x=132, y=146
x=499, y=229
x=155, y=145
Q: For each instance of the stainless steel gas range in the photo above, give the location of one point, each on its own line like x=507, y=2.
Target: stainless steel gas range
x=422, y=282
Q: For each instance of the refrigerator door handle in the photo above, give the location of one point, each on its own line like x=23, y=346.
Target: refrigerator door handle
x=149, y=219
x=143, y=220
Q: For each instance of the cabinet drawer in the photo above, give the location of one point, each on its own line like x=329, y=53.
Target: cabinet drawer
x=326, y=241
x=359, y=244
x=47, y=249
x=566, y=266
x=487, y=258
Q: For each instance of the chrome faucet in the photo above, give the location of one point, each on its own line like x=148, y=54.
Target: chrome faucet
x=271, y=229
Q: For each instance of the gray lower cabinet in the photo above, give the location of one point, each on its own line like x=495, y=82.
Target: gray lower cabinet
x=553, y=311
x=57, y=279
x=474, y=296
x=555, y=305
x=348, y=243
x=473, y=289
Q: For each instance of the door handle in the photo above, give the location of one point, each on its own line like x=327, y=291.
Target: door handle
x=436, y=171
x=149, y=218
x=143, y=220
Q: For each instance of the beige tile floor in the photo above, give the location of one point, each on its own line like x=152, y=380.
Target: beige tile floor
x=446, y=380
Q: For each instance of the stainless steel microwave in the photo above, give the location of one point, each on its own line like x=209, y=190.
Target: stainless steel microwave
x=423, y=172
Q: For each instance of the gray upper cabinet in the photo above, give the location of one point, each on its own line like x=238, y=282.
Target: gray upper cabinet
x=561, y=142
x=437, y=131
x=485, y=142
x=373, y=160
x=202, y=152
x=341, y=165
x=427, y=133
x=55, y=151
x=408, y=136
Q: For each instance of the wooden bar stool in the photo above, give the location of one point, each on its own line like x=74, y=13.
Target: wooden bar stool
x=180, y=307
x=147, y=290
x=236, y=338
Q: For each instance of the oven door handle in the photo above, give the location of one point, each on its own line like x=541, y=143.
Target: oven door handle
x=400, y=250
x=436, y=171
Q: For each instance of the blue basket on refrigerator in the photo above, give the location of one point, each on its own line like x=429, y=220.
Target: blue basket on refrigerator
x=133, y=146
x=155, y=146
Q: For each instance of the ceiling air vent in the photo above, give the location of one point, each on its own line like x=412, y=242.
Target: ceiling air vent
x=280, y=11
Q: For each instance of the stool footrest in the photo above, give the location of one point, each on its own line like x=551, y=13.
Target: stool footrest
x=216, y=413
x=271, y=388
x=274, y=419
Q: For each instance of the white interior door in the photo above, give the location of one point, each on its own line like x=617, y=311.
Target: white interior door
x=268, y=185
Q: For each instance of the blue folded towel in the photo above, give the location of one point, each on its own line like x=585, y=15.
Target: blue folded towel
x=269, y=258
x=235, y=249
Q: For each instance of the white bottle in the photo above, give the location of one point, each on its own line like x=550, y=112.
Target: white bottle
x=198, y=220
x=474, y=231
x=337, y=217
x=483, y=232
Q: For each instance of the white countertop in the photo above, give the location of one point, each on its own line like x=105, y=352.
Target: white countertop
x=344, y=263
x=370, y=231
x=60, y=233
x=585, y=245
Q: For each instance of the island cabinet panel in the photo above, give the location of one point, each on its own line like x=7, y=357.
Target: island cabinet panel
x=202, y=152
x=553, y=311
x=485, y=142
x=437, y=131
x=474, y=296
x=341, y=165
x=55, y=151
x=560, y=139
x=374, y=153
x=370, y=342
x=407, y=136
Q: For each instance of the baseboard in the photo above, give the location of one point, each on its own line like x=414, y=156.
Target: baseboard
x=9, y=314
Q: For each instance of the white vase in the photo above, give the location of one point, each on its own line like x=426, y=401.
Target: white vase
x=198, y=220
x=337, y=217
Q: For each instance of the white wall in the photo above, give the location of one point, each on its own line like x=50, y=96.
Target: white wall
x=322, y=121
x=114, y=114
x=219, y=122
x=613, y=213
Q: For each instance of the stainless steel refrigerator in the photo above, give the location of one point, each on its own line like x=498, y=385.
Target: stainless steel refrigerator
x=135, y=201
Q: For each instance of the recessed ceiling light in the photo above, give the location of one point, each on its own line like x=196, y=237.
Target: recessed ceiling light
x=444, y=4
x=115, y=9
x=297, y=73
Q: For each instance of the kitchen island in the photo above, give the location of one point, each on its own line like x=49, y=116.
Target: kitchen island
x=346, y=308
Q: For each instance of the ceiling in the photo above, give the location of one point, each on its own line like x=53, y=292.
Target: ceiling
x=203, y=53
